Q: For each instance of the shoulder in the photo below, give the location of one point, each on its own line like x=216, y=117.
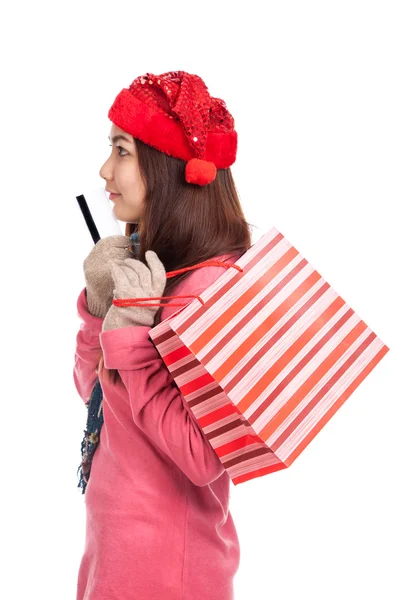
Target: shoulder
x=196, y=282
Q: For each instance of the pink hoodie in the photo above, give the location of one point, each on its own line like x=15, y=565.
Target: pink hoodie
x=158, y=525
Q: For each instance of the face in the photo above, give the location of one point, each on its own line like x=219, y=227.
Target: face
x=122, y=176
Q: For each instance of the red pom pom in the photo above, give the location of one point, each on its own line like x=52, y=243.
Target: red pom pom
x=200, y=171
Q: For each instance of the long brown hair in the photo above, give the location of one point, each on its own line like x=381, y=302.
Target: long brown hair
x=185, y=224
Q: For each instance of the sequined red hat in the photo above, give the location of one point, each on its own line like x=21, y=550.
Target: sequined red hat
x=175, y=113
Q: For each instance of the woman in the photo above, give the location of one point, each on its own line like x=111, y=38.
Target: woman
x=157, y=500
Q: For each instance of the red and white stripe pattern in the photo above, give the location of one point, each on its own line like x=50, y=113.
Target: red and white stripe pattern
x=268, y=359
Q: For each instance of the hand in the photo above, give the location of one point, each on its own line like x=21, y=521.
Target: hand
x=98, y=278
x=133, y=279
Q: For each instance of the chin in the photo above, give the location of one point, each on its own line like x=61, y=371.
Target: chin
x=125, y=220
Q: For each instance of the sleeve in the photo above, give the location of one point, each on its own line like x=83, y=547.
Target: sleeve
x=88, y=349
x=157, y=405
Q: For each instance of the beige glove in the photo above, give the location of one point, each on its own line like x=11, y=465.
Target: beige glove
x=98, y=277
x=134, y=279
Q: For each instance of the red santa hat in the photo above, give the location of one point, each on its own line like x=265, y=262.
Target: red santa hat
x=175, y=113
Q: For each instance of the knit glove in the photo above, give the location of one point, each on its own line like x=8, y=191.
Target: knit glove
x=133, y=279
x=98, y=278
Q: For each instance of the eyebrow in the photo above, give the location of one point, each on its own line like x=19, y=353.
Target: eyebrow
x=119, y=137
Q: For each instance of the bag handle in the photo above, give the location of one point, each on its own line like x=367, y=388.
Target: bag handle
x=208, y=263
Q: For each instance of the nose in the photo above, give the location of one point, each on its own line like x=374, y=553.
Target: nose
x=104, y=171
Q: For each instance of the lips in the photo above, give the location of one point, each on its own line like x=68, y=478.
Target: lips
x=112, y=196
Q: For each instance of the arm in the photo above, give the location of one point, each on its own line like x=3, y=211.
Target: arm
x=88, y=349
x=156, y=402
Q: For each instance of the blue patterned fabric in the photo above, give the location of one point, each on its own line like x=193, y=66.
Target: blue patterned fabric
x=92, y=434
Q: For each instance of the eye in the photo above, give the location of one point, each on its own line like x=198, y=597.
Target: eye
x=120, y=148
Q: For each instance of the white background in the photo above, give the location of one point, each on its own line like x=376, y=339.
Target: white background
x=314, y=90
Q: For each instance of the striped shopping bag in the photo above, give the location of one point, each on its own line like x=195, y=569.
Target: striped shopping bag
x=266, y=357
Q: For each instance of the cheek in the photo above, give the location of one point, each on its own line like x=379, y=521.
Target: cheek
x=129, y=176
x=129, y=182
x=142, y=186
x=138, y=186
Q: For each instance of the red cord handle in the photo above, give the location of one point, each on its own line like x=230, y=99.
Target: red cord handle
x=208, y=263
